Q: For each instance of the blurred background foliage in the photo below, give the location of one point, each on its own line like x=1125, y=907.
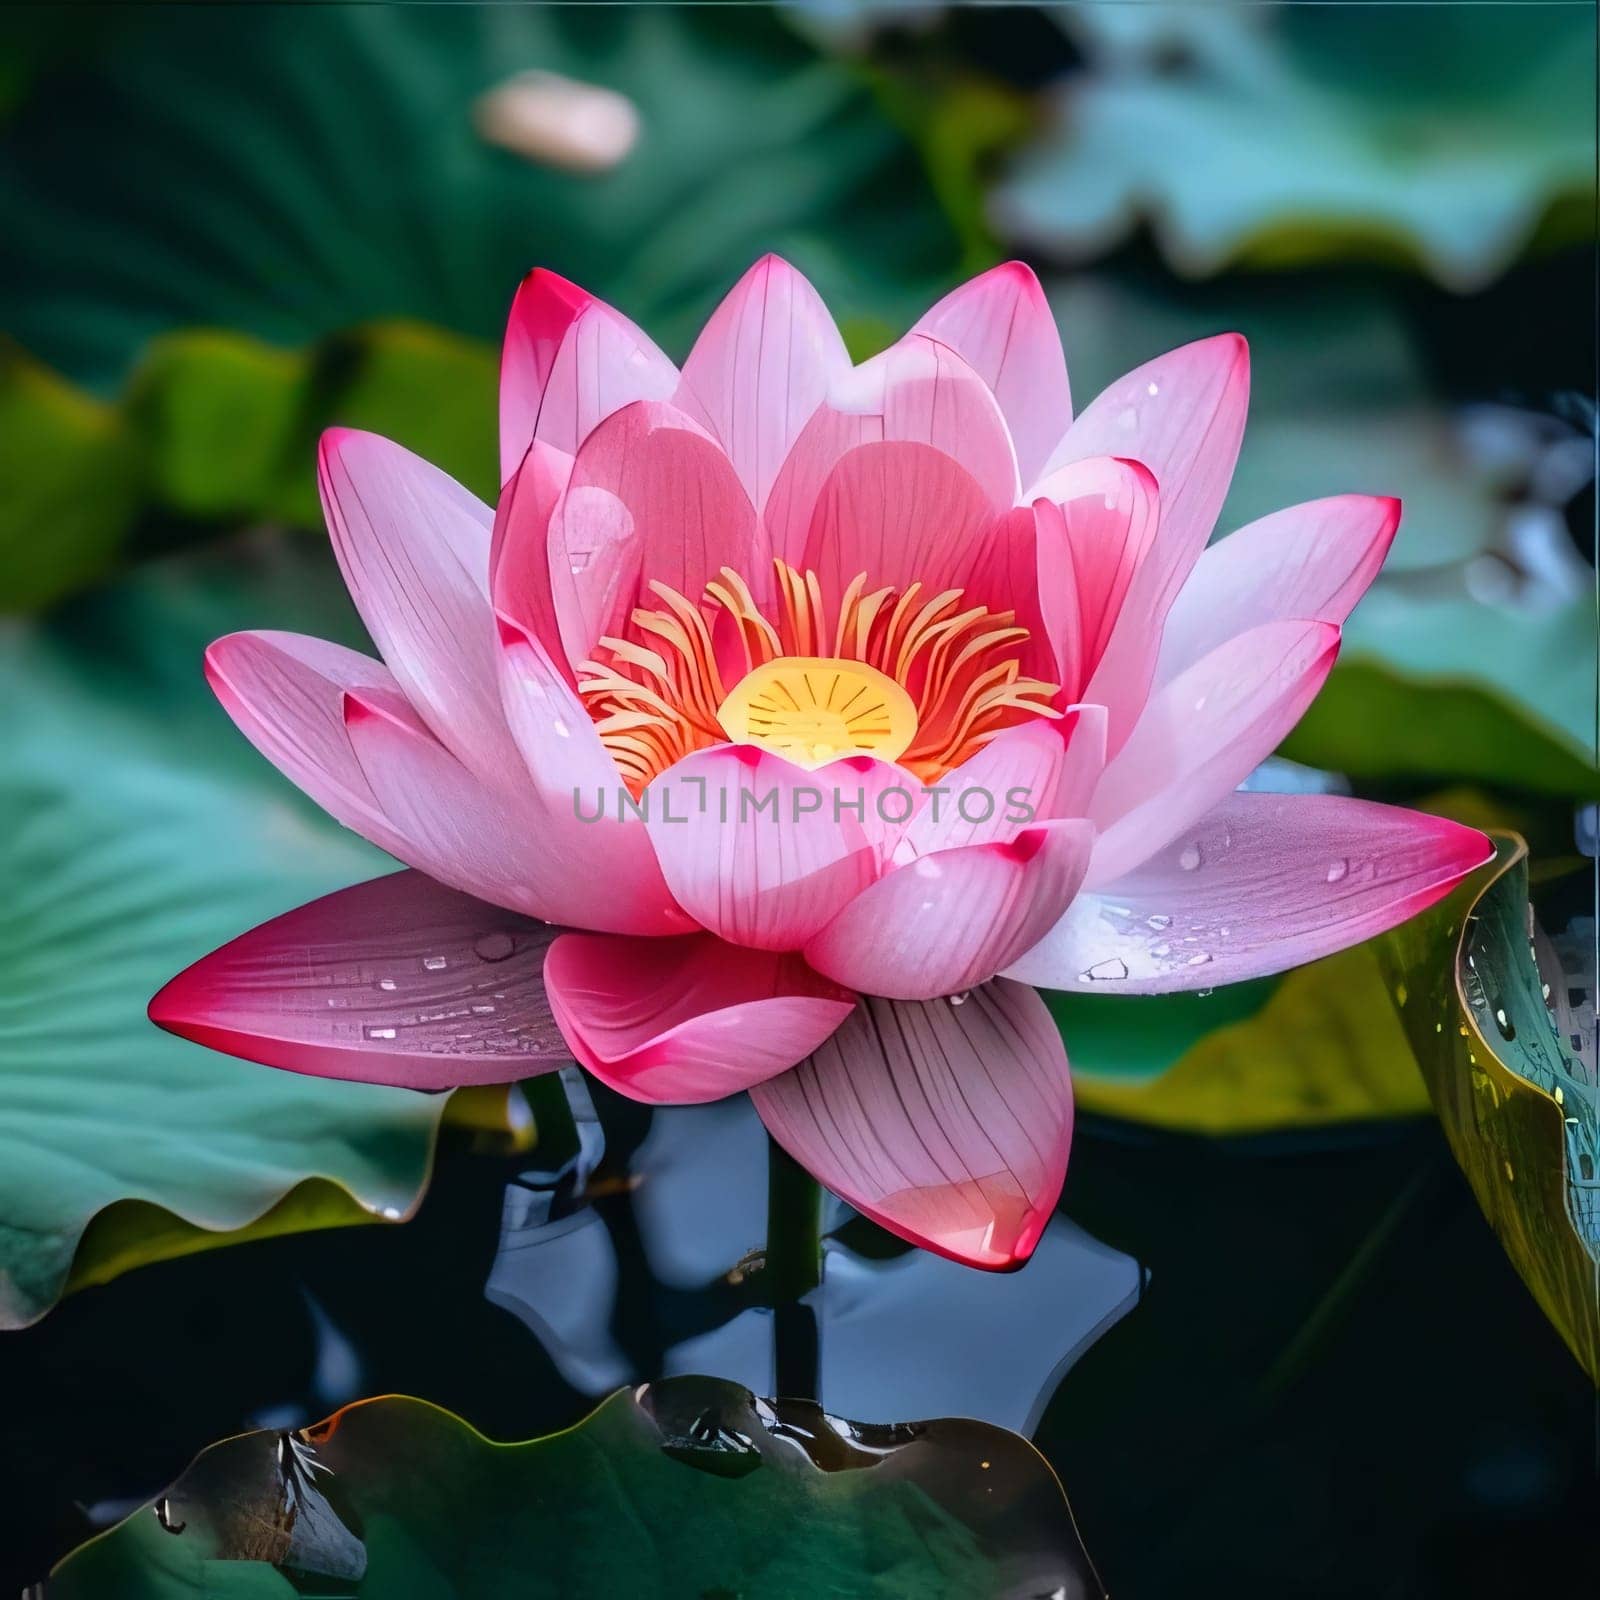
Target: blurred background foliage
x=230, y=226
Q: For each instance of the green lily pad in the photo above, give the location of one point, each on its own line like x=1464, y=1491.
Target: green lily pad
x=142, y=833
x=1520, y=1106
x=1439, y=679
x=1322, y=1050
x=688, y=1488
x=1313, y=134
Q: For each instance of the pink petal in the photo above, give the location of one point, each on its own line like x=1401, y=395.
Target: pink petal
x=754, y=848
x=993, y=795
x=918, y=391
x=399, y=981
x=948, y=1124
x=901, y=513
x=1109, y=521
x=414, y=549
x=1084, y=762
x=1027, y=557
x=1262, y=883
x=601, y=851
x=1202, y=734
x=286, y=692
x=1000, y=324
x=948, y=921
x=760, y=368
x=652, y=498
x=1182, y=415
x=1312, y=560
x=487, y=842
x=1094, y=540
x=881, y=796
x=568, y=362
x=678, y=1021
x=520, y=582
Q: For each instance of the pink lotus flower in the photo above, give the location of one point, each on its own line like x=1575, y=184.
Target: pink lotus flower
x=711, y=597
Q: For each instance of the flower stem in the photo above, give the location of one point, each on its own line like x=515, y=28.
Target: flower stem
x=793, y=1268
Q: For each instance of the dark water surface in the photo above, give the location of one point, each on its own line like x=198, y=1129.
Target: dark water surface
x=1315, y=1373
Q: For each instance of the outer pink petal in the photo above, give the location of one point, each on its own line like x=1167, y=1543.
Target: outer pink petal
x=414, y=549
x=652, y=498
x=1182, y=415
x=399, y=981
x=948, y=921
x=678, y=1021
x=1000, y=324
x=285, y=691
x=1262, y=883
x=602, y=851
x=520, y=583
x=568, y=362
x=754, y=848
x=761, y=367
x=1202, y=735
x=485, y=841
x=917, y=390
x=1312, y=560
x=948, y=1124
x=901, y=513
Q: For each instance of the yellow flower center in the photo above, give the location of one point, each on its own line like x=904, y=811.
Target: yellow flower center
x=814, y=709
x=910, y=675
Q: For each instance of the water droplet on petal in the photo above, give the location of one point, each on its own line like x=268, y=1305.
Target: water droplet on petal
x=958, y=999
x=379, y=1033
x=1152, y=388
x=1158, y=920
x=1189, y=857
x=435, y=963
x=1105, y=971
x=1128, y=419
x=493, y=946
x=388, y=985
x=1198, y=959
x=1337, y=869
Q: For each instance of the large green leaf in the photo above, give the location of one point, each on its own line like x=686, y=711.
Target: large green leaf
x=293, y=172
x=1519, y=1103
x=1385, y=132
x=689, y=1488
x=142, y=832
x=1440, y=678
x=1322, y=1050
x=242, y=247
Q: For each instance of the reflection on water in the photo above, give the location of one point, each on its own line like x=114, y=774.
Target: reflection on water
x=691, y=1199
